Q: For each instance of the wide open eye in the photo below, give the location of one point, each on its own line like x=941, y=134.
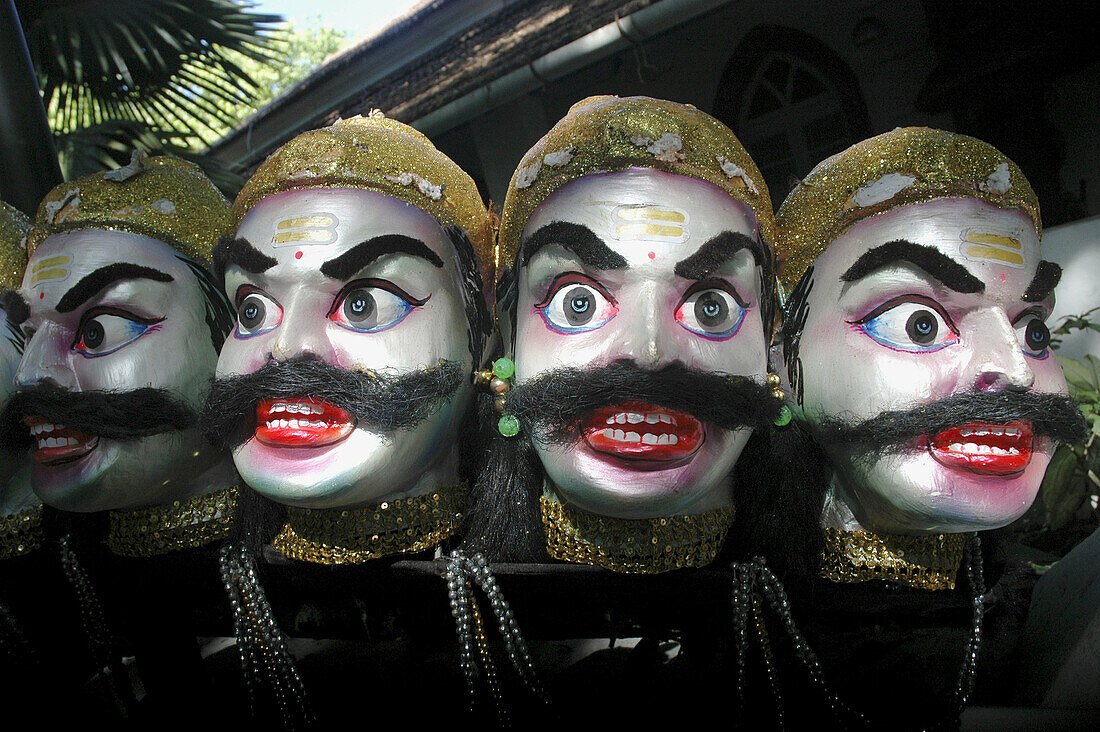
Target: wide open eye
x=1033, y=334
x=370, y=306
x=910, y=323
x=711, y=309
x=256, y=313
x=105, y=330
x=576, y=304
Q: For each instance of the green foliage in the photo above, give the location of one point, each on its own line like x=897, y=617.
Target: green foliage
x=1071, y=487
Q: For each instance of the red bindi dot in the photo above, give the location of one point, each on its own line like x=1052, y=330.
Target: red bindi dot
x=41, y=295
x=297, y=255
x=653, y=255
x=1003, y=277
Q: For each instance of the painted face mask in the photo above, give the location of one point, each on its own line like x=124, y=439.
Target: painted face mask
x=639, y=316
x=346, y=381
x=20, y=509
x=122, y=328
x=916, y=339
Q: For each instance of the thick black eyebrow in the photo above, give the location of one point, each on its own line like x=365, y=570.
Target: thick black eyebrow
x=92, y=283
x=578, y=239
x=716, y=251
x=365, y=252
x=239, y=251
x=15, y=306
x=937, y=264
x=1047, y=276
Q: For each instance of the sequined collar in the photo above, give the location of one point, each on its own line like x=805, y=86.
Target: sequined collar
x=927, y=562
x=354, y=535
x=636, y=546
x=20, y=533
x=186, y=524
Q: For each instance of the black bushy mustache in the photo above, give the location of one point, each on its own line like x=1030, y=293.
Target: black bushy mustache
x=115, y=415
x=556, y=402
x=385, y=400
x=1051, y=415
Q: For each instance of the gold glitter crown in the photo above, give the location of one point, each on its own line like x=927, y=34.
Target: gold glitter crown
x=162, y=197
x=907, y=165
x=14, y=227
x=379, y=154
x=606, y=133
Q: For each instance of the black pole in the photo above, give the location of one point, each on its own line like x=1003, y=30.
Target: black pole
x=28, y=159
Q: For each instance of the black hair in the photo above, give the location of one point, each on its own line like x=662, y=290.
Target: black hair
x=220, y=316
x=797, y=309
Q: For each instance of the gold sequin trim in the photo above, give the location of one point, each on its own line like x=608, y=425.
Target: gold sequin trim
x=20, y=533
x=14, y=227
x=636, y=546
x=927, y=562
x=355, y=535
x=161, y=197
x=186, y=524
x=604, y=133
x=924, y=164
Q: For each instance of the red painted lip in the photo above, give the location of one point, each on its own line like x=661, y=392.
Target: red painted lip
x=301, y=422
x=991, y=449
x=640, y=432
x=57, y=444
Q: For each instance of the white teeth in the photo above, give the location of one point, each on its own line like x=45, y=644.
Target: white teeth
x=611, y=420
x=981, y=433
x=663, y=439
x=293, y=424
x=1012, y=432
x=652, y=418
x=970, y=447
x=53, y=442
x=665, y=418
x=634, y=418
x=996, y=431
x=620, y=435
x=998, y=451
x=966, y=433
x=70, y=441
x=633, y=437
x=649, y=439
x=955, y=447
x=673, y=439
x=1013, y=451
x=985, y=450
x=278, y=408
x=620, y=418
x=40, y=428
x=609, y=433
x=41, y=444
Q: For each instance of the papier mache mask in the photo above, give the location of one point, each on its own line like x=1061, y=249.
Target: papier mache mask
x=20, y=509
x=347, y=380
x=638, y=312
x=916, y=341
x=122, y=323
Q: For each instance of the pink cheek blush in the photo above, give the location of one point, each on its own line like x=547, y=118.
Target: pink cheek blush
x=653, y=255
x=1003, y=277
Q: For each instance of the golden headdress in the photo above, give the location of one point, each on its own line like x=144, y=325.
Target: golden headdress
x=606, y=133
x=907, y=165
x=162, y=197
x=379, y=154
x=14, y=227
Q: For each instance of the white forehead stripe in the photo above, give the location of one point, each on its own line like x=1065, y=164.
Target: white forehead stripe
x=984, y=245
x=50, y=269
x=649, y=223
x=313, y=228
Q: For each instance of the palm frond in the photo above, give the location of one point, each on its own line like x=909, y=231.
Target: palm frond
x=160, y=62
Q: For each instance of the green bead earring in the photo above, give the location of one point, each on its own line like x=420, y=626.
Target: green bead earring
x=499, y=382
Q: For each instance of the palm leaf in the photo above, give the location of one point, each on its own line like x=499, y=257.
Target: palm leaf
x=158, y=62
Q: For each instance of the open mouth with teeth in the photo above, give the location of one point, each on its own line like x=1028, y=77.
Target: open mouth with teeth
x=993, y=449
x=639, y=431
x=57, y=444
x=301, y=422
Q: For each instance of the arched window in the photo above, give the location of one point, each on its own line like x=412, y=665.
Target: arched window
x=792, y=102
